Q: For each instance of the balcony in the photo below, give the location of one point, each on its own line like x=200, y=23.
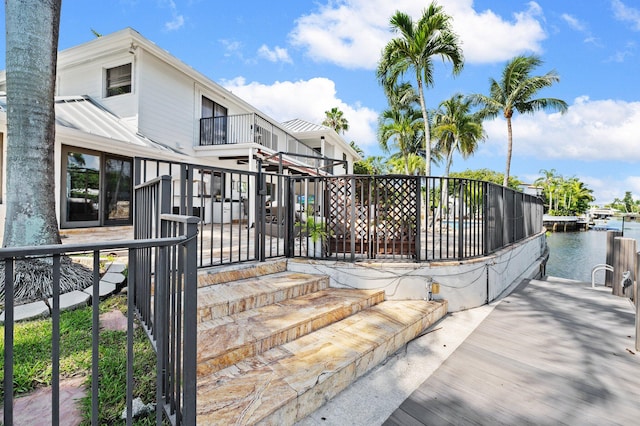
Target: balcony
x=251, y=128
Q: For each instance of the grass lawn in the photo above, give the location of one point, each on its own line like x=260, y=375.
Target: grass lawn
x=32, y=359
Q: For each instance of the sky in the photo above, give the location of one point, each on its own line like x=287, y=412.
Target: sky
x=300, y=58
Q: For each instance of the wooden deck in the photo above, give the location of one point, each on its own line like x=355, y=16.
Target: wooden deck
x=554, y=352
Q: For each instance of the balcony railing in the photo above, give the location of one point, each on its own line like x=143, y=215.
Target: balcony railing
x=252, y=128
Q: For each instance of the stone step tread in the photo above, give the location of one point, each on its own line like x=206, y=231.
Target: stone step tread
x=287, y=383
x=230, y=298
x=220, y=275
x=226, y=340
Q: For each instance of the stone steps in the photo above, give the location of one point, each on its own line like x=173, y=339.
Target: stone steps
x=227, y=340
x=233, y=297
x=274, y=348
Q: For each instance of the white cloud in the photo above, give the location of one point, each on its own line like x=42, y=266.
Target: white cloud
x=352, y=33
x=175, y=24
x=573, y=22
x=606, y=188
x=307, y=100
x=625, y=13
x=232, y=48
x=278, y=54
x=177, y=21
x=488, y=37
x=590, y=131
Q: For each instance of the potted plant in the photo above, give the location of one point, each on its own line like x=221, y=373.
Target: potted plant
x=316, y=233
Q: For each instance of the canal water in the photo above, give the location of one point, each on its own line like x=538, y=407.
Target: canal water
x=573, y=255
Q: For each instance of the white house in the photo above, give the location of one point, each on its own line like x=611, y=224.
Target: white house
x=120, y=96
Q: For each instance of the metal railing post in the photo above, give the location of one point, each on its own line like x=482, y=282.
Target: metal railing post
x=460, y=221
x=290, y=232
x=8, y=341
x=190, y=322
x=418, y=222
x=261, y=201
x=55, y=343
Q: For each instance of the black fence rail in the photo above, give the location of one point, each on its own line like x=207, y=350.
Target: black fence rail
x=164, y=295
x=178, y=245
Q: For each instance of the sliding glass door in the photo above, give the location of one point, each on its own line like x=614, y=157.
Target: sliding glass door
x=97, y=189
x=118, y=206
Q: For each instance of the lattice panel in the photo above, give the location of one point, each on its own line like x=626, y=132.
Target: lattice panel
x=344, y=216
x=396, y=207
x=384, y=209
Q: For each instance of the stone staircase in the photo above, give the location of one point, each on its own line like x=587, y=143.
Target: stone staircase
x=273, y=346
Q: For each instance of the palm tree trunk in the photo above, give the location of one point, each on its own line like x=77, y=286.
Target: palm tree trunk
x=32, y=46
x=427, y=132
x=505, y=181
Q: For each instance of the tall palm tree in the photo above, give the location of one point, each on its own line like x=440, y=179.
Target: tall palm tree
x=455, y=128
x=336, y=120
x=515, y=92
x=414, y=50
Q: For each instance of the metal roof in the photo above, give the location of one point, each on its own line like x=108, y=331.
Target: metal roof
x=298, y=125
x=84, y=114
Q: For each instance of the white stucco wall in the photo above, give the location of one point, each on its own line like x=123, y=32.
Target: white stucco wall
x=464, y=285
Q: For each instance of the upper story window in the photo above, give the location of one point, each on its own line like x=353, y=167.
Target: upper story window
x=213, y=123
x=211, y=109
x=119, y=80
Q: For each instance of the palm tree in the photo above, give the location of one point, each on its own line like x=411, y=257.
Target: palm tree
x=414, y=50
x=411, y=165
x=456, y=129
x=514, y=92
x=546, y=182
x=335, y=120
x=401, y=127
x=32, y=46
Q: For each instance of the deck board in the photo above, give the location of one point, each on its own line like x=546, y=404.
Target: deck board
x=553, y=352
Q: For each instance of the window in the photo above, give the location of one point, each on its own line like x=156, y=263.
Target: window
x=119, y=80
x=213, y=124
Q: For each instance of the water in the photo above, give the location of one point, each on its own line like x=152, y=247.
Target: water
x=573, y=255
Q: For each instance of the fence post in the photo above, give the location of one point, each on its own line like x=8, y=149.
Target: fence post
x=290, y=223
x=418, y=221
x=624, y=261
x=485, y=217
x=8, y=341
x=610, y=256
x=460, y=221
x=190, y=322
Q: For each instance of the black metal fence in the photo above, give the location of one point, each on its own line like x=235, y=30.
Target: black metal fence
x=255, y=215
x=162, y=286
x=407, y=217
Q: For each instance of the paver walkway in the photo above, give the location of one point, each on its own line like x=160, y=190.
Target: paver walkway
x=554, y=352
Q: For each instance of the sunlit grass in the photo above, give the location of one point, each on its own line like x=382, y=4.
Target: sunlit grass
x=32, y=359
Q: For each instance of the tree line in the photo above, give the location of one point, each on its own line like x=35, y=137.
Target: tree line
x=563, y=196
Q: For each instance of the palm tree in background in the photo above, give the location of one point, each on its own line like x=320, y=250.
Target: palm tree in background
x=415, y=48
x=514, y=92
x=335, y=120
x=455, y=128
x=400, y=128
